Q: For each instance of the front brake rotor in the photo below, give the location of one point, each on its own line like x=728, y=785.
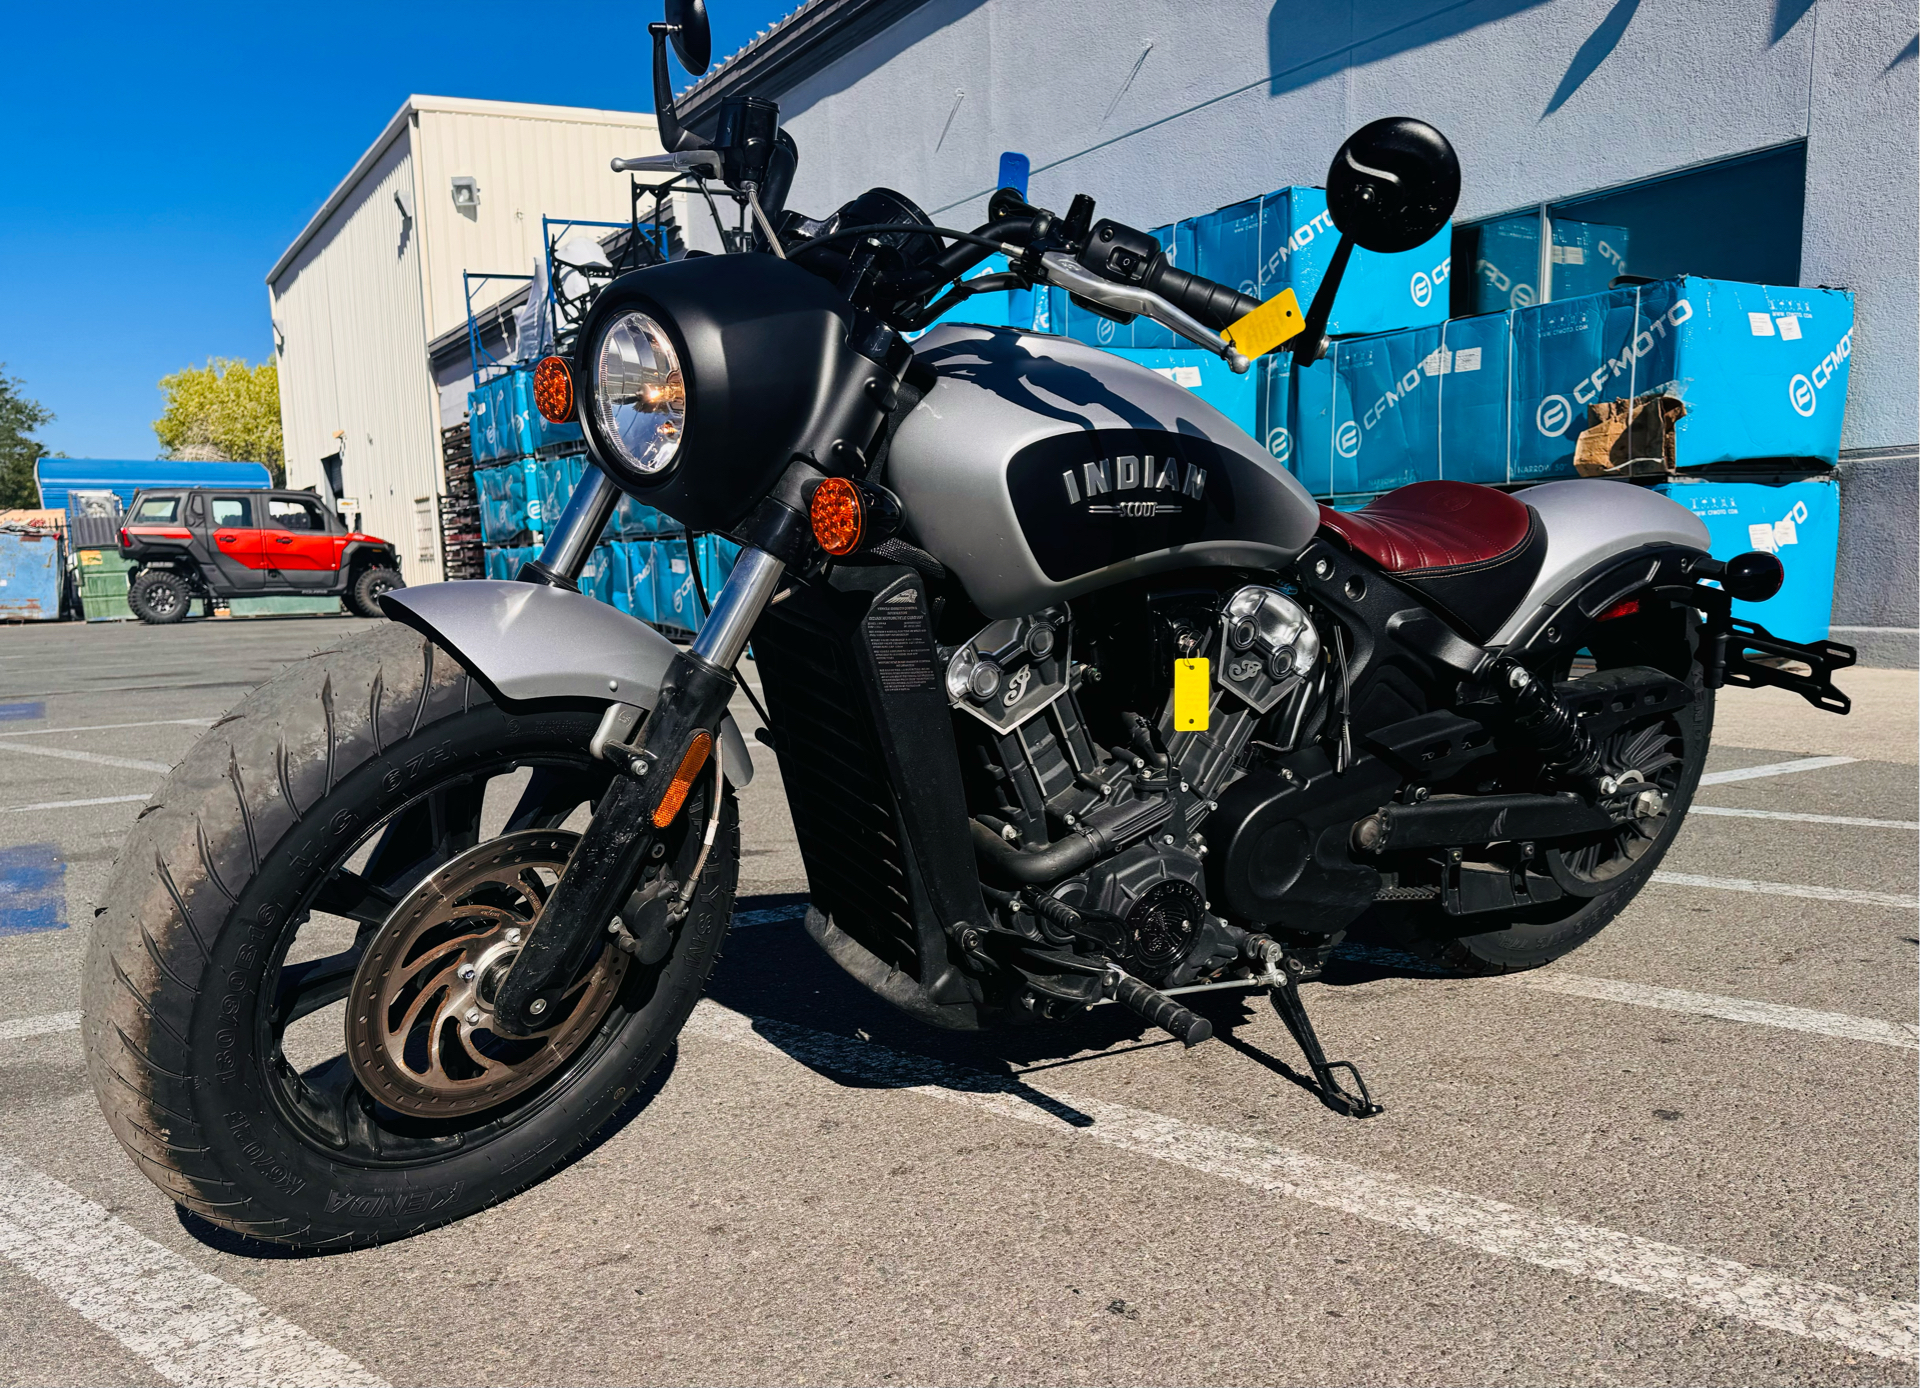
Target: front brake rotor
x=420, y=1008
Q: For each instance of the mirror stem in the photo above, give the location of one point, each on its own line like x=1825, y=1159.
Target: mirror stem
x=673, y=136
x=1311, y=342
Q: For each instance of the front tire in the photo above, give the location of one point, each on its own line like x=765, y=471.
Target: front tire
x=159, y=598
x=217, y=977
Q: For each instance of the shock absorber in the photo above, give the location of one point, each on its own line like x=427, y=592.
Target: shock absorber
x=1547, y=725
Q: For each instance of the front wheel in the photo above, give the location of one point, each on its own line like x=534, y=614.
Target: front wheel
x=288, y=993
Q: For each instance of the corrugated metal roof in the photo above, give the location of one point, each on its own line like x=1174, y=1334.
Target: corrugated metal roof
x=125, y=476
x=790, y=51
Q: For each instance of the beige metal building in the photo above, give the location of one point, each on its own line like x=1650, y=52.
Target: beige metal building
x=450, y=186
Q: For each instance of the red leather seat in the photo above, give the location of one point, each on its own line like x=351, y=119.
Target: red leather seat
x=1471, y=552
x=1433, y=525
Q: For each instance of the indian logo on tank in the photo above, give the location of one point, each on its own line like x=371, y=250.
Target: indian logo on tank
x=1134, y=486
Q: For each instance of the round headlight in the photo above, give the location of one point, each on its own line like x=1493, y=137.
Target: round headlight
x=639, y=395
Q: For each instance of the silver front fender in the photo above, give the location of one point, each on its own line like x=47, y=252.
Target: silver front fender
x=527, y=641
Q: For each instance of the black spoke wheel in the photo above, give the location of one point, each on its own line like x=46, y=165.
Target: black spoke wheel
x=1665, y=753
x=159, y=598
x=287, y=994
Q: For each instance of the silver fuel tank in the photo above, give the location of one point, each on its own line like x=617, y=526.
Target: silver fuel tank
x=1038, y=468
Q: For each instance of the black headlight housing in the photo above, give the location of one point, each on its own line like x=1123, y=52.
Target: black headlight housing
x=765, y=371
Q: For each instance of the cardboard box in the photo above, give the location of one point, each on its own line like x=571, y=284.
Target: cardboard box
x=1798, y=521
x=1762, y=370
x=1585, y=258
x=1380, y=412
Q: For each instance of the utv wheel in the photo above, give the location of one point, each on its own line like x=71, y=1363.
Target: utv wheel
x=286, y=996
x=364, y=595
x=159, y=598
x=1667, y=751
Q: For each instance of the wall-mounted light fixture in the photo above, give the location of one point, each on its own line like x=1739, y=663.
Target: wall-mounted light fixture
x=466, y=195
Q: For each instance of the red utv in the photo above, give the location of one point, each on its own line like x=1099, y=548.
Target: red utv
x=203, y=542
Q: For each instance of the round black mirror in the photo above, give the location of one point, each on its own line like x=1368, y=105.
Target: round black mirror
x=692, y=39
x=1393, y=184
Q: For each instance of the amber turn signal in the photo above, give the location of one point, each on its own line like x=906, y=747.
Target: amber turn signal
x=838, y=515
x=682, y=782
x=553, y=390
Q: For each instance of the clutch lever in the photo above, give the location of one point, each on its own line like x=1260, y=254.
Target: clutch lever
x=705, y=162
x=1060, y=269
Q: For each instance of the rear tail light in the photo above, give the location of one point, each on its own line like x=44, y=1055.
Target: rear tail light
x=126, y=540
x=1626, y=607
x=553, y=390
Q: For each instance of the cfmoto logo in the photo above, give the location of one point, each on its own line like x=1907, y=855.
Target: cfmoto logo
x=1347, y=439
x=1554, y=415
x=1422, y=288
x=1104, y=331
x=1800, y=395
x=1280, y=444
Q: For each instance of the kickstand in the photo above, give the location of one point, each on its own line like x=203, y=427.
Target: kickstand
x=1286, y=1001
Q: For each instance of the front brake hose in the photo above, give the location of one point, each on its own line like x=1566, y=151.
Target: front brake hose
x=706, y=844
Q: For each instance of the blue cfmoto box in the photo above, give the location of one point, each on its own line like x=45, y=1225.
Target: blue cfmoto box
x=1285, y=240
x=1380, y=412
x=1797, y=521
x=1584, y=258
x=1235, y=396
x=1761, y=369
x=503, y=502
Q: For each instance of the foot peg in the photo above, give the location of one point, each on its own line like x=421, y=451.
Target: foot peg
x=1186, y=1025
x=1288, y=969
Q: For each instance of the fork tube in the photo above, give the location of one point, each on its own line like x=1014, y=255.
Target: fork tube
x=570, y=543
x=737, y=607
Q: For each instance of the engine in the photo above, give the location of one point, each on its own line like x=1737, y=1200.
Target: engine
x=1089, y=806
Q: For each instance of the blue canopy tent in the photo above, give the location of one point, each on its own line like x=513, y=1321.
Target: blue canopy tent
x=58, y=476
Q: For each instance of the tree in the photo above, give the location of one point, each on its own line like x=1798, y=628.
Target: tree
x=224, y=411
x=19, y=419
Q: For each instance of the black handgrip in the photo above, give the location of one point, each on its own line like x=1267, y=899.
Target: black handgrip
x=1213, y=304
x=1189, y=1027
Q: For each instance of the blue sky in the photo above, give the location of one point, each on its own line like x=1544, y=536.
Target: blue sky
x=159, y=158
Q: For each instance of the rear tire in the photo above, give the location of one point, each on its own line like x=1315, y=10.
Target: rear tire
x=1533, y=938
x=159, y=598
x=287, y=834
x=363, y=594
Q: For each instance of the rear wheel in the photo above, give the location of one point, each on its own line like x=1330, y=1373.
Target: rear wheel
x=364, y=594
x=159, y=597
x=287, y=997
x=1665, y=751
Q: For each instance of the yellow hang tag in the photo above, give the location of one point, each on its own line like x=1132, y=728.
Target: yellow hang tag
x=1192, y=695
x=1276, y=321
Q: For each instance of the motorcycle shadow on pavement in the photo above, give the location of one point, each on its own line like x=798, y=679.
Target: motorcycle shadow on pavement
x=776, y=976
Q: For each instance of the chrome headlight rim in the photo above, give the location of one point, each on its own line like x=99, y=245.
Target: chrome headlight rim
x=644, y=343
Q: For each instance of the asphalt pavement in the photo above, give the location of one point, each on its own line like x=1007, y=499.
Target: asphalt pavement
x=1685, y=1153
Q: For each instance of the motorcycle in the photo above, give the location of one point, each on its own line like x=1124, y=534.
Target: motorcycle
x=1078, y=696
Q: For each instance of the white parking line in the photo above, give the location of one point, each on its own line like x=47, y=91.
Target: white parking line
x=189, y=1325
x=68, y=754
x=1844, y=1025
x=1772, y=768
x=104, y=727
x=72, y=804
x=1718, y=1286
x=20, y=1028
x=1795, y=889
x=1854, y=821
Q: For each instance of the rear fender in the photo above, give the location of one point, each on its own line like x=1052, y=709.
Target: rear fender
x=1591, y=525
x=528, y=641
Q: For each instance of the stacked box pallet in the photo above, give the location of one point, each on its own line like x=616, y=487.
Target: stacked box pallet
x=460, y=506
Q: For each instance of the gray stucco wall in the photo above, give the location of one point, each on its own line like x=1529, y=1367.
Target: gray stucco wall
x=1161, y=111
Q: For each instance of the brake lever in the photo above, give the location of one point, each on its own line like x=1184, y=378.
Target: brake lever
x=1061, y=269
x=703, y=161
